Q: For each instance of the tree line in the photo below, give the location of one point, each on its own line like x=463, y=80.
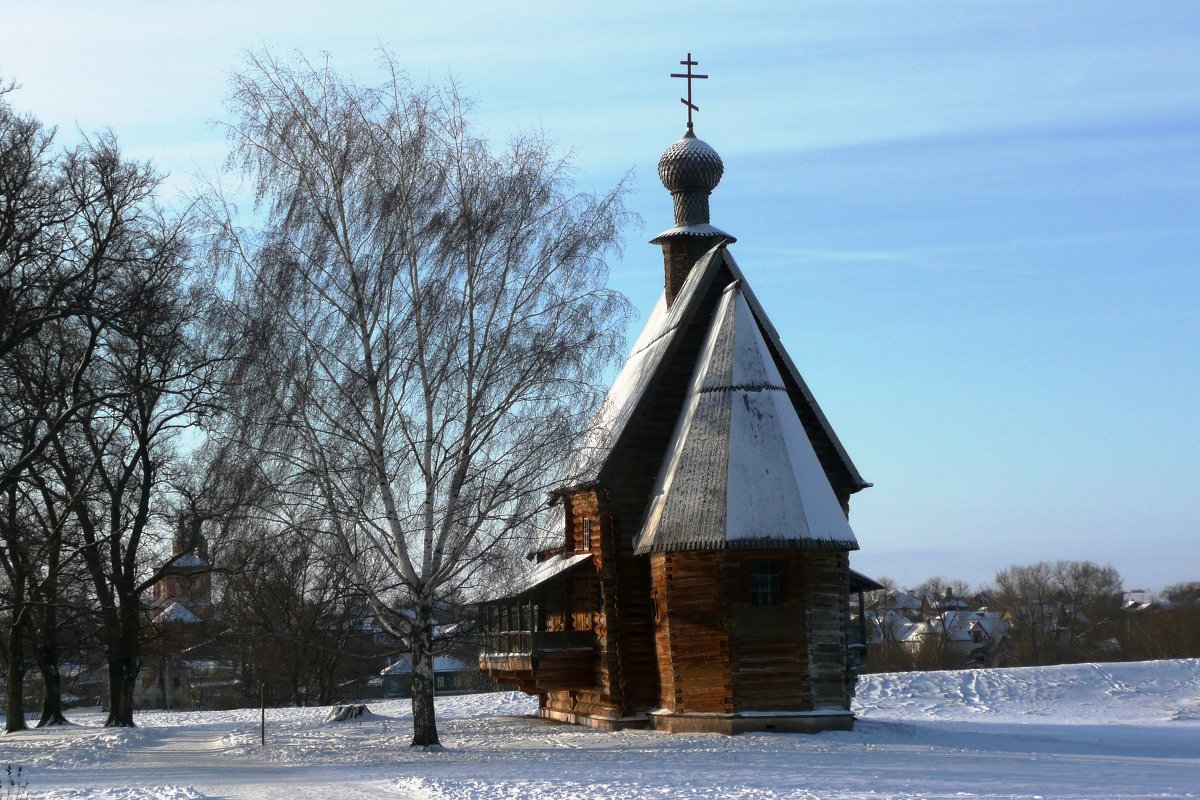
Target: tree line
x=1031, y=614
x=379, y=365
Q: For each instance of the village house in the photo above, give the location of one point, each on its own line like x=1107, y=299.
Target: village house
x=939, y=628
x=697, y=575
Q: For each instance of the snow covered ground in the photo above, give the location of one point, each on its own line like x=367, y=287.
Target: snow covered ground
x=1081, y=731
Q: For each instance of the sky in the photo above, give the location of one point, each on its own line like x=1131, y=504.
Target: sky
x=975, y=225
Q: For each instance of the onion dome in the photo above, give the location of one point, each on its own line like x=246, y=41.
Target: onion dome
x=691, y=169
x=690, y=165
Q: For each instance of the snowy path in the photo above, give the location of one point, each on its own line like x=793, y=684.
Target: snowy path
x=1085, y=731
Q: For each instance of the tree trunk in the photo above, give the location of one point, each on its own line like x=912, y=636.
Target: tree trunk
x=424, y=722
x=45, y=653
x=52, y=704
x=121, y=676
x=123, y=666
x=14, y=708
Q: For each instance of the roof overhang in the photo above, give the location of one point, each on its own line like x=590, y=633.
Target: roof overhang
x=542, y=573
x=861, y=583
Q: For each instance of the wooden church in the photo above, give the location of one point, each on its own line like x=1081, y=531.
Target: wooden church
x=697, y=576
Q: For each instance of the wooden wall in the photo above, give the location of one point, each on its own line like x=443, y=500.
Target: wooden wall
x=718, y=654
x=769, y=646
x=593, y=603
x=691, y=634
x=826, y=576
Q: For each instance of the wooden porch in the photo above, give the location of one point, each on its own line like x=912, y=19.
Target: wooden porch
x=540, y=661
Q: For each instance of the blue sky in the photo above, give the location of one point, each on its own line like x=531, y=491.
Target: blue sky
x=975, y=224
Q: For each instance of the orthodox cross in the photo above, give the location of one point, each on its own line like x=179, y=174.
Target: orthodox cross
x=690, y=76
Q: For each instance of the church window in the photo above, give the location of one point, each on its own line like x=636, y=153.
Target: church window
x=766, y=584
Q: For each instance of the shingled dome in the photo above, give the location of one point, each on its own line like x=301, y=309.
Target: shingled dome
x=690, y=164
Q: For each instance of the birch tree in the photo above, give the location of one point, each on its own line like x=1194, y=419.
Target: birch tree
x=433, y=319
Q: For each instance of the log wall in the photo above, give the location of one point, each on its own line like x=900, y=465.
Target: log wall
x=769, y=645
x=826, y=577
x=691, y=634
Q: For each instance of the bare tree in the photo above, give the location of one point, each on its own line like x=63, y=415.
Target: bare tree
x=165, y=377
x=62, y=216
x=1028, y=595
x=1183, y=595
x=435, y=322
x=1169, y=628
x=1091, y=596
x=936, y=591
x=296, y=620
x=1057, y=608
x=67, y=221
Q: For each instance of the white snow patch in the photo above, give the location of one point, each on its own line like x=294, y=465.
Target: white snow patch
x=125, y=793
x=1081, y=731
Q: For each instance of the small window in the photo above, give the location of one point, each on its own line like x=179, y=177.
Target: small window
x=766, y=586
x=586, y=544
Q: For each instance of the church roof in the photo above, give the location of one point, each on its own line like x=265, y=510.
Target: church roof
x=177, y=612
x=540, y=573
x=653, y=348
x=649, y=352
x=187, y=560
x=740, y=470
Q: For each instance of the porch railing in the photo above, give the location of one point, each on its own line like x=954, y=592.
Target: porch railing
x=528, y=642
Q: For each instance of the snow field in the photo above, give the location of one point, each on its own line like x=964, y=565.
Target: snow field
x=1079, y=731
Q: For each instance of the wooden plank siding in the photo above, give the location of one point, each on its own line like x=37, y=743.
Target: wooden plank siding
x=691, y=632
x=826, y=577
x=718, y=654
x=769, y=645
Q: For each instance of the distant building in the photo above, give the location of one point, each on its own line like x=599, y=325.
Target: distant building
x=188, y=586
x=981, y=636
x=180, y=668
x=450, y=676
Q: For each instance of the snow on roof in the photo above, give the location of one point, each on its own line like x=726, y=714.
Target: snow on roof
x=539, y=573
x=403, y=666
x=652, y=345
x=960, y=625
x=697, y=229
x=793, y=374
x=900, y=629
x=741, y=471
x=188, y=560
x=177, y=612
